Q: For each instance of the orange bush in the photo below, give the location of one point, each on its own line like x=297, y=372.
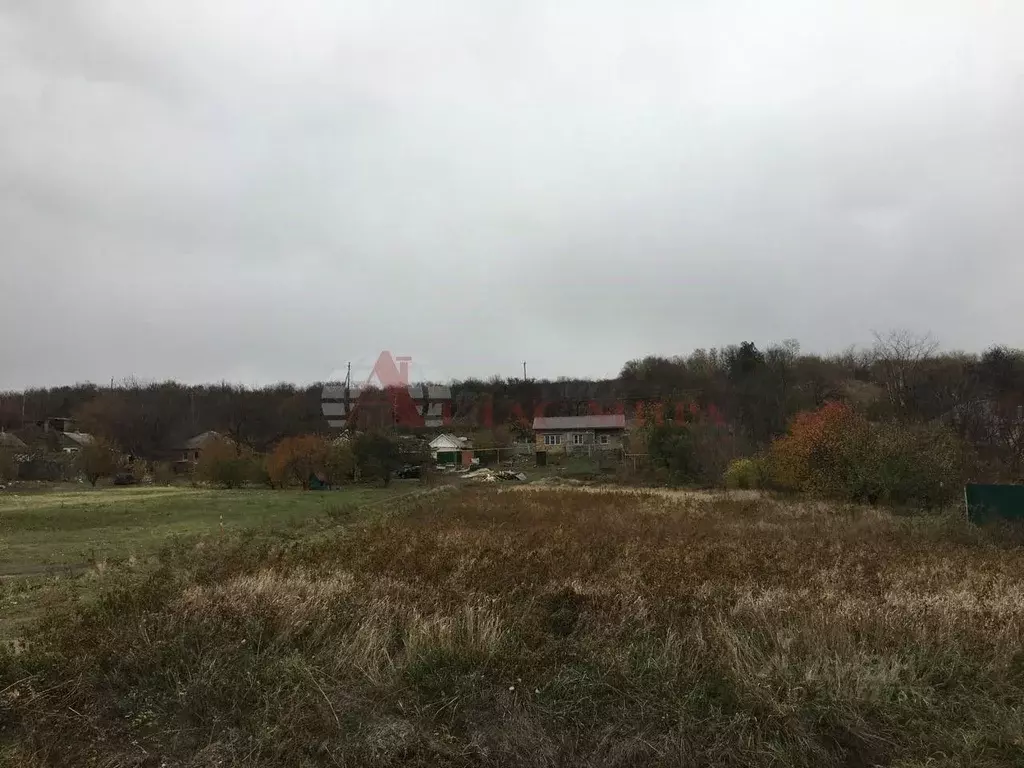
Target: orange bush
x=222, y=462
x=821, y=450
x=296, y=459
x=835, y=452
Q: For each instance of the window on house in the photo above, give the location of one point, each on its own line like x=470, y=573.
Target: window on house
x=603, y=439
x=577, y=439
x=552, y=439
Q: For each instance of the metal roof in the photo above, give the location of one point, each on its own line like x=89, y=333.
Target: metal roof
x=447, y=440
x=81, y=438
x=606, y=421
x=199, y=441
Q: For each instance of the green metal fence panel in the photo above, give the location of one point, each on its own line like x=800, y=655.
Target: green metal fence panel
x=994, y=502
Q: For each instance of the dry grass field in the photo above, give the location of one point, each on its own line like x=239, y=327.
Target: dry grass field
x=51, y=537
x=552, y=627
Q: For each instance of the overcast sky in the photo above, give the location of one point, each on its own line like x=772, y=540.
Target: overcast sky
x=259, y=191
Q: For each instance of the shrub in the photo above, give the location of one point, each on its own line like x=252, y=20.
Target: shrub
x=915, y=464
x=817, y=452
x=834, y=452
x=377, y=456
x=224, y=463
x=260, y=475
x=141, y=470
x=744, y=474
x=339, y=464
x=670, y=447
x=693, y=452
x=100, y=458
x=297, y=459
x=49, y=468
x=413, y=451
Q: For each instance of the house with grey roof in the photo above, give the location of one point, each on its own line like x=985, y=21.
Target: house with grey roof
x=191, y=449
x=72, y=442
x=579, y=433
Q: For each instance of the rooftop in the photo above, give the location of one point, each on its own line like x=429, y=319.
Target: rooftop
x=604, y=421
x=450, y=440
x=81, y=438
x=199, y=441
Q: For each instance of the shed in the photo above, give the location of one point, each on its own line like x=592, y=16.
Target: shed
x=447, y=448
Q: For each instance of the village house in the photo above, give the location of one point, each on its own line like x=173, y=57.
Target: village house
x=59, y=424
x=73, y=442
x=192, y=448
x=49, y=436
x=579, y=433
x=449, y=449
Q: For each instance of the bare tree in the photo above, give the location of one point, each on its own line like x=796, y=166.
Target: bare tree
x=900, y=355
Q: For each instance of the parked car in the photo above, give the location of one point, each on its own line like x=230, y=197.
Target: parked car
x=125, y=478
x=408, y=472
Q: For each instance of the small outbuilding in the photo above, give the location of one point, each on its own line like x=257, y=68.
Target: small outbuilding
x=449, y=449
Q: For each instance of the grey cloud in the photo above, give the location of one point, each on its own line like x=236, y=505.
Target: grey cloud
x=260, y=191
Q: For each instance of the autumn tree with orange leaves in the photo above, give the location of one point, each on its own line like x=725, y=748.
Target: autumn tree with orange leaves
x=297, y=459
x=835, y=452
x=820, y=450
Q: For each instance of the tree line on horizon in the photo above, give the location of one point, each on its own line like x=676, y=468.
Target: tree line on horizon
x=757, y=393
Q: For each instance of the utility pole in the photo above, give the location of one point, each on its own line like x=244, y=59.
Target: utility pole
x=347, y=398
x=524, y=370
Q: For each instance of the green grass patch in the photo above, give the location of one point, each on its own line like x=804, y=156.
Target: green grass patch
x=49, y=538
x=62, y=528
